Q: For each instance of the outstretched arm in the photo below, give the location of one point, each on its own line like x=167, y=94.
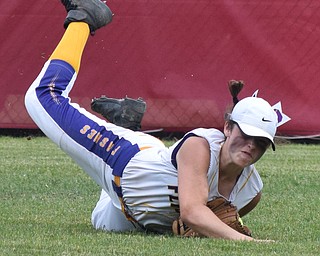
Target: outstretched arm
x=193, y=161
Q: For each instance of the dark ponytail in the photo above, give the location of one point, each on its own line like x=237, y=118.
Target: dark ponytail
x=235, y=87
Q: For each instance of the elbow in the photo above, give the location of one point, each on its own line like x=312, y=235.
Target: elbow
x=188, y=216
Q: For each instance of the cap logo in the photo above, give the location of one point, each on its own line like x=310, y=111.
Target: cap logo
x=265, y=120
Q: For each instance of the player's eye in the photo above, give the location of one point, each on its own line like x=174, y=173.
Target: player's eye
x=262, y=143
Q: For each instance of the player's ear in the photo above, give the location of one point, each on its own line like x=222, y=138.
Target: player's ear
x=227, y=128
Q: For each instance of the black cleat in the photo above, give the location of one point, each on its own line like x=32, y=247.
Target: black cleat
x=93, y=12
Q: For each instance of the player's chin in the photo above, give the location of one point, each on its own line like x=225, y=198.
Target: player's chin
x=245, y=159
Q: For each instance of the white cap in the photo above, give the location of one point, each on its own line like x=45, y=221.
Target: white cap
x=255, y=117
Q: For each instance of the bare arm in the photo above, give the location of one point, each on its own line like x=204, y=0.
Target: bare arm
x=193, y=161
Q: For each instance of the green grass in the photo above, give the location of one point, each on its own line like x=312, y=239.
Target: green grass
x=46, y=203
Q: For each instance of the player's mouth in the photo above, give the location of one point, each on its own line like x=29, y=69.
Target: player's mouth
x=246, y=155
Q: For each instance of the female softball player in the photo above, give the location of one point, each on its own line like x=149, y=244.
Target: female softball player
x=146, y=185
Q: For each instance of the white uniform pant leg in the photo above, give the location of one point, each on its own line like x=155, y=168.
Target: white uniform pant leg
x=48, y=105
x=107, y=217
x=97, y=146
x=101, y=149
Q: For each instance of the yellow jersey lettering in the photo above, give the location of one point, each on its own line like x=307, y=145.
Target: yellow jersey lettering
x=115, y=151
x=91, y=134
x=103, y=142
x=110, y=146
x=97, y=137
x=85, y=129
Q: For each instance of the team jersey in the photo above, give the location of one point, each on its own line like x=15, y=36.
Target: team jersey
x=249, y=183
x=155, y=201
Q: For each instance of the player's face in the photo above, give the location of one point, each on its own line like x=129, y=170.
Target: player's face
x=243, y=149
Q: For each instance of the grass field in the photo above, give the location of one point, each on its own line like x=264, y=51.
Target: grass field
x=46, y=203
